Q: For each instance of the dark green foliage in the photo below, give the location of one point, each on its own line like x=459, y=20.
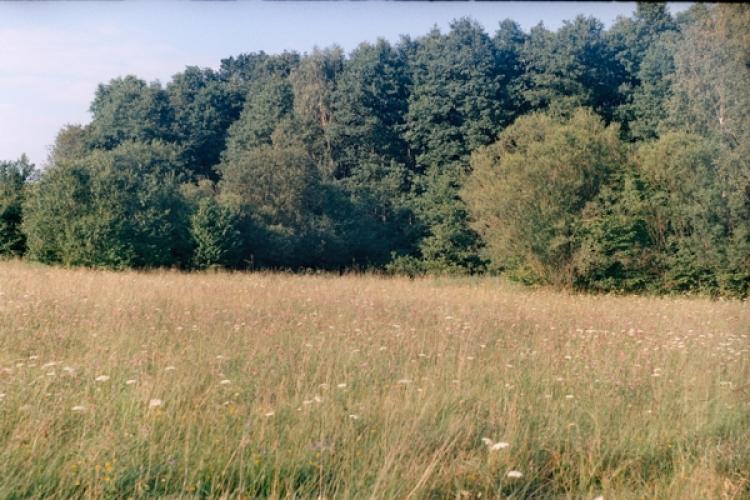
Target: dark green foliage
x=118, y=208
x=621, y=164
x=643, y=46
x=509, y=41
x=692, y=216
x=370, y=155
x=646, y=109
x=453, y=109
x=452, y=106
x=215, y=232
x=129, y=109
x=270, y=100
x=278, y=190
x=204, y=108
x=313, y=83
x=618, y=252
x=369, y=105
x=13, y=184
x=572, y=67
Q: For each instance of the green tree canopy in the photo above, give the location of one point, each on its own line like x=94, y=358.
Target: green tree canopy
x=527, y=191
x=117, y=208
x=129, y=109
x=14, y=176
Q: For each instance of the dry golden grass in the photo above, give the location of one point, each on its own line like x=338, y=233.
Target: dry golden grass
x=279, y=385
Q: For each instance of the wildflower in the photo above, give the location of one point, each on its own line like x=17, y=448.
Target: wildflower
x=78, y=408
x=225, y=382
x=514, y=474
x=500, y=445
x=102, y=378
x=155, y=403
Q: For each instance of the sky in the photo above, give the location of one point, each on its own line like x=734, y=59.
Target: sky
x=54, y=54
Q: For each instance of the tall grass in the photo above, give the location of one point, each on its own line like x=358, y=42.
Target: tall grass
x=260, y=385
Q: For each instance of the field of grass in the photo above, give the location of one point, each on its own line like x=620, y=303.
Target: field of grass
x=252, y=385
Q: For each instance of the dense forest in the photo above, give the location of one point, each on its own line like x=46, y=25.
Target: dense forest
x=596, y=159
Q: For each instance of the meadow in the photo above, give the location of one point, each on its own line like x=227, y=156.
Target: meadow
x=138, y=384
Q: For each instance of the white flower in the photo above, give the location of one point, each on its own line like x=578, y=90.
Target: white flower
x=225, y=382
x=155, y=403
x=493, y=446
x=78, y=408
x=514, y=474
x=102, y=378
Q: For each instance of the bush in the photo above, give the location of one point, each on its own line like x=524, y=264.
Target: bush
x=119, y=208
x=215, y=232
x=527, y=191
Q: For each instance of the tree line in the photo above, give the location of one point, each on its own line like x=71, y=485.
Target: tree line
x=598, y=159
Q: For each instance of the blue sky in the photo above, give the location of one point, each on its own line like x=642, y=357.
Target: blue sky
x=53, y=54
